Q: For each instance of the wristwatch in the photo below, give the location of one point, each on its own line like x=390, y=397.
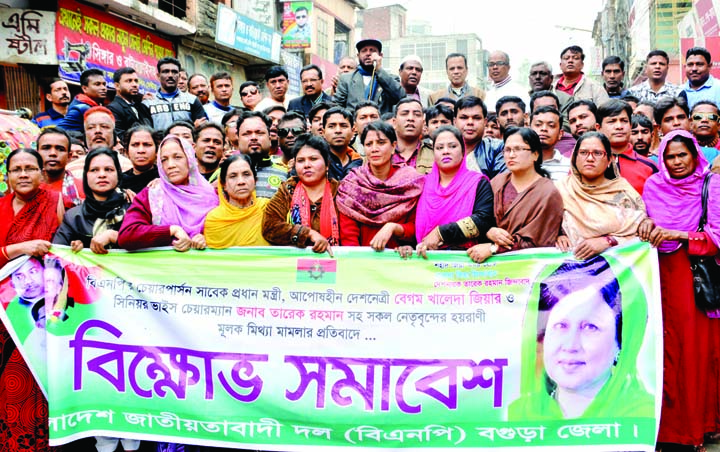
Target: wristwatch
x=493, y=248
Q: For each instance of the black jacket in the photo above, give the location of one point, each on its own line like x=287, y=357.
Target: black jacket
x=125, y=118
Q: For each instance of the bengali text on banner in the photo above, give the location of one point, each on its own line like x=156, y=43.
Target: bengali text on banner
x=283, y=349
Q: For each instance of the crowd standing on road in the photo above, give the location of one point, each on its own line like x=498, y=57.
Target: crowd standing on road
x=378, y=160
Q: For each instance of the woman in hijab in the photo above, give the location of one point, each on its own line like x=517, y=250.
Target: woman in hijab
x=691, y=360
x=377, y=201
x=237, y=221
x=96, y=222
x=602, y=209
x=455, y=210
x=171, y=211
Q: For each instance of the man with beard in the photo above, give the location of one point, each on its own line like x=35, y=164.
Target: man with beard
x=198, y=86
x=254, y=140
x=411, y=151
x=276, y=79
x=614, y=119
x=94, y=92
x=510, y=112
x=221, y=84
x=53, y=144
x=170, y=104
x=250, y=94
x=411, y=70
x=311, y=78
x=546, y=121
x=483, y=155
x=656, y=86
x=58, y=94
x=126, y=107
x=369, y=81
x=338, y=131
x=457, y=71
x=209, y=148
x=582, y=117
x=641, y=135
x=291, y=125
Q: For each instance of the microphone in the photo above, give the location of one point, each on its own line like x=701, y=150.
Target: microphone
x=374, y=64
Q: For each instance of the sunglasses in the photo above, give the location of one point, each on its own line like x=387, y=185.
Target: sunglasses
x=708, y=116
x=251, y=92
x=283, y=132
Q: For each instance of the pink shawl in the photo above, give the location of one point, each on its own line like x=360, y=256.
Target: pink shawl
x=676, y=203
x=182, y=205
x=440, y=205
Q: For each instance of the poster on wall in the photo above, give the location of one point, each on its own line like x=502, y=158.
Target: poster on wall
x=89, y=38
x=297, y=29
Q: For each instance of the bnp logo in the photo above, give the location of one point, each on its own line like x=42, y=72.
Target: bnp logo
x=316, y=271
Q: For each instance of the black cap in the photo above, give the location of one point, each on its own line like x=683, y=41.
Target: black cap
x=368, y=42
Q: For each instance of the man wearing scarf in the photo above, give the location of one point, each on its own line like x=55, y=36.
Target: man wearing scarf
x=369, y=81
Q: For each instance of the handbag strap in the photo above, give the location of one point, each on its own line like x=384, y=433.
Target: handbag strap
x=705, y=189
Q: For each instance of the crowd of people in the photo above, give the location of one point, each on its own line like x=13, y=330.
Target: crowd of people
x=377, y=160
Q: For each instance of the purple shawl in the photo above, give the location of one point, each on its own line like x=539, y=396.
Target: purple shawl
x=369, y=200
x=440, y=205
x=182, y=205
x=676, y=203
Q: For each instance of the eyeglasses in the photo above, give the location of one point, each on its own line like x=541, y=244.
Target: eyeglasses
x=709, y=116
x=497, y=63
x=251, y=92
x=28, y=171
x=515, y=151
x=310, y=80
x=597, y=154
x=283, y=132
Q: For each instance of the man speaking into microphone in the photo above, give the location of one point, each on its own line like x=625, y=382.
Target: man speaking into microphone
x=369, y=81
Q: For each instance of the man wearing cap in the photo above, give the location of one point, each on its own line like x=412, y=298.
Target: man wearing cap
x=411, y=70
x=369, y=81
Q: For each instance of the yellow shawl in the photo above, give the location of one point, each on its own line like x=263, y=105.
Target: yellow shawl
x=227, y=225
x=611, y=208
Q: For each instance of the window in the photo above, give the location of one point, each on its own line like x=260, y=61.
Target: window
x=432, y=54
x=176, y=8
x=462, y=46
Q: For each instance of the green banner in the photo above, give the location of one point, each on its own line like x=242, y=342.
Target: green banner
x=282, y=349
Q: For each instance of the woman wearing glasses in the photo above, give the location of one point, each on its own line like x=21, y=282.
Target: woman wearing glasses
x=528, y=208
x=30, y=215
x=602, y=209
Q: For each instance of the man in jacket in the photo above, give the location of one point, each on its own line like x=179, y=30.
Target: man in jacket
x=170, y=104
x=369, y=81
x=573, y=81
x=94, y=91
x=126, y=107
